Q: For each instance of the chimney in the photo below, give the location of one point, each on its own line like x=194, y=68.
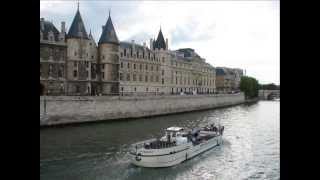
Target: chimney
x=167, y=45
x=42, y=23
x=151, y=44
x=63, y=27
x=133, y=45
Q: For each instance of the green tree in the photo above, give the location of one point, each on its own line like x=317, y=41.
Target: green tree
x=250, y=87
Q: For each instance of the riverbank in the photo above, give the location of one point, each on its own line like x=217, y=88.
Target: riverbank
x=59, y=110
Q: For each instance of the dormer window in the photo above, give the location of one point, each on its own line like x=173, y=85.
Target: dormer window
x=50, y=36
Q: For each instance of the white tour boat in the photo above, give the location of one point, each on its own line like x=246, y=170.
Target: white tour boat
x=176, y=146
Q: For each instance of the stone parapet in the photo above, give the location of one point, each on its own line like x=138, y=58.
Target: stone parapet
x=55, y=110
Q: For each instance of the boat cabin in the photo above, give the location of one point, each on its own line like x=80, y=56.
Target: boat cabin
x=172, y=134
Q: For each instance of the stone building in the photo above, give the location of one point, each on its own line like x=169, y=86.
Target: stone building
x=81, y=54
x=108, y=59
x=228, y=79
x=53, y=56
x=158, y=70
x=73, y=64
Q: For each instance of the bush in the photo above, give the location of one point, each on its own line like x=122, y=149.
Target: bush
x=249, y=86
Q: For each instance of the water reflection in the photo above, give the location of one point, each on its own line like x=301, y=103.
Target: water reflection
x=99, y=150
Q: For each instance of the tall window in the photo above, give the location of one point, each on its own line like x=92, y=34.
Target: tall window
x=60, y=72
x=140, y=66
x=162, y=72
x=128, y=77
x=40, y=69
x=140, y=77
x=75, y=73
x=128, y=65
x=121, y=64
x=146, y=79
x=121, y=76
x=134, y=78
x=134, y=66
x=50, y=69
x=125, y=52
x=162, y=81
x=146, y=66
x=87, y=74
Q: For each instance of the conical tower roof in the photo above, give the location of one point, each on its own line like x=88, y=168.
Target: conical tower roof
x=108, y=33
x=77, y=29
x=159, y=43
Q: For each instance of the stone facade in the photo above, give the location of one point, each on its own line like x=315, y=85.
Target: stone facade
x=53, y=56
x=155, y=70
x=228, y=79
x=73, y=64
x=77, y=109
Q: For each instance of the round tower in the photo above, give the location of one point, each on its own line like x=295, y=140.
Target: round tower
x=108, y=59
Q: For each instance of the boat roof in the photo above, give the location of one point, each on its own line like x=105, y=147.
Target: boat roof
x=174, y=129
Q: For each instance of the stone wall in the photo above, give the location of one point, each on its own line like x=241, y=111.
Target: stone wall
x=73, y=109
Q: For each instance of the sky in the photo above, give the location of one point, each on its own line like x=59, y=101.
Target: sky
x=235, y=34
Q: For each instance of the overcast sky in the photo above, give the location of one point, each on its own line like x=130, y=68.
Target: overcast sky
x=237, y=34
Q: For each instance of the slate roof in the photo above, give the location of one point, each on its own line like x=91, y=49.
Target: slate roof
x=48, y=26
x=187, y=52
x=159, y=43
x=220, y=72
x=77, y=29
x=108, y=33
x=128, y=45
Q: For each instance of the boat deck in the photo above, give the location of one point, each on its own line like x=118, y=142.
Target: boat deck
x=159, y=145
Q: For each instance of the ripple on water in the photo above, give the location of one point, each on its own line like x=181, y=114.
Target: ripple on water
x=250, y=147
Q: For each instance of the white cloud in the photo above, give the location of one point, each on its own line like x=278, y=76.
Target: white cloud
x=242, y=34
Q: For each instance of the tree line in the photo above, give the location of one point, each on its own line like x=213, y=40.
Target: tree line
x=250, y=87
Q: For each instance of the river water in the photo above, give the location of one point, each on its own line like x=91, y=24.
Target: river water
x=99, y=150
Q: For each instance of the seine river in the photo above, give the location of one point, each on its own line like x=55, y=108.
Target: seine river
x=250, y=150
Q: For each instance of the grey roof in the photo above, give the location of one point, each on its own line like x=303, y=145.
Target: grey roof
x=48, y=26
x=220, y=72
x=128, y=45
x=77, y=29
x=187, y=52
x=159, y=43
x=108, y=33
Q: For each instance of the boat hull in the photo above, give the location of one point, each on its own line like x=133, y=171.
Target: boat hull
x=173, y=156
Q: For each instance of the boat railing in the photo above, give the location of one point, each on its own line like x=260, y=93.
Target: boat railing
x=141, y=144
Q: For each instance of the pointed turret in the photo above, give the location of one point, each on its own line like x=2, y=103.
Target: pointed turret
x=108, y=33
x=77, y=29
x=159, y=43
x=90, y=35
